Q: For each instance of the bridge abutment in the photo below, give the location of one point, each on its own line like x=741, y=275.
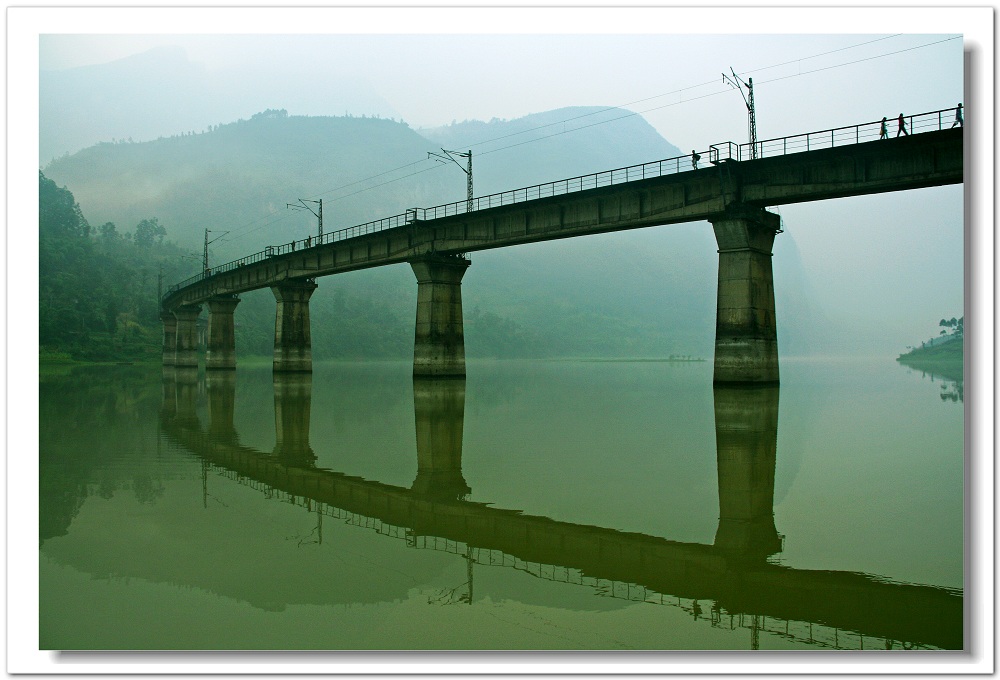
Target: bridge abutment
x=169, y=337
x=439, y=342
x=746, y=340
x=221, y=344
x=292, y=337
x=186, y=343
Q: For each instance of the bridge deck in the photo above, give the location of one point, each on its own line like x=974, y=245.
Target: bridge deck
x=911, y=162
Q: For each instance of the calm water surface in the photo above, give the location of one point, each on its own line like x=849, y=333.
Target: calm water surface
x=534, y=505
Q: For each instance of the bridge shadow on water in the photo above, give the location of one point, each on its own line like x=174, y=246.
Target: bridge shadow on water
x=734, y=582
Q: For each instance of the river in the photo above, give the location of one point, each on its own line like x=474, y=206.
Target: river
x=534, y=505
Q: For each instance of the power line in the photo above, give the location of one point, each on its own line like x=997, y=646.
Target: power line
x=604, y=110
x=387, y=172
x=629, y=114
x=858, y=61
x=343, y=186
x=677, y=91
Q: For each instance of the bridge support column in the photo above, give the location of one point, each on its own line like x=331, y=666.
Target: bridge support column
x=746, y=434
x=186, y=345
x=439, y=342
x=292, y=338
x=221, y=345
x=746, y=341
x=439, y=415
x=169, y=337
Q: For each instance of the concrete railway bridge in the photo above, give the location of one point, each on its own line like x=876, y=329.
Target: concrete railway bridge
x=730, y=188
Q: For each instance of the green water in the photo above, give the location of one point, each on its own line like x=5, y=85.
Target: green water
x=534, y=505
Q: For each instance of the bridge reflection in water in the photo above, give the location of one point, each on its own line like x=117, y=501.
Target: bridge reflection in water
x=730, y=583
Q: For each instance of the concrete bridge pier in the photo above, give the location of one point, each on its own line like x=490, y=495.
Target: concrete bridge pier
x=186, y=344
x=746, y=341
x=292, y=338
x=221, y=344
x=292, y=411
x=746, y=434
x=439, y=342
x=169, y=337
x=439, y=415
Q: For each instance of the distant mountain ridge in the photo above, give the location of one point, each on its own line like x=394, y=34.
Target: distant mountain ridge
x=162, y=92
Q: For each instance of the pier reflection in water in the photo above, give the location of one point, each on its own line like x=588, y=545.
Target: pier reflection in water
x=728, y=584
x=439, y=415
x=746, y=434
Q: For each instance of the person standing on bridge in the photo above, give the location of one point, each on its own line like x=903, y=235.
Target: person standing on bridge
x=883, y=133
x=694, y=159
x=959, y=120
x=902, y=127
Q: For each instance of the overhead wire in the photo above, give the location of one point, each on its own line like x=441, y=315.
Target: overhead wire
x=630, y=114
x=677, y=91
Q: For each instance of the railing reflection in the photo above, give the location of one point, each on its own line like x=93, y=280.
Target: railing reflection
x=723, y=583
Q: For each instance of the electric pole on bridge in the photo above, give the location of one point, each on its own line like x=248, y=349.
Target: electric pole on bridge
x=739, y=84
x=204, y=259
x=301, y=205
x=450, y=156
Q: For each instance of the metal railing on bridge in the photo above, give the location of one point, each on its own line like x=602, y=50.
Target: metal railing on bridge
x=931, y=121
x=716, y=153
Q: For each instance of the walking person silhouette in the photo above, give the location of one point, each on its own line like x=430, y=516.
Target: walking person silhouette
x=883, y=132
x=902, y=127
x=959, y=120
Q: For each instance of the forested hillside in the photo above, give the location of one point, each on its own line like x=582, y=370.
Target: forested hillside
x=97, y=285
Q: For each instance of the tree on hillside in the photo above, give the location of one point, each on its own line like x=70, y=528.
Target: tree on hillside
x=59, y=214
x=957, y=326
x=149, y=231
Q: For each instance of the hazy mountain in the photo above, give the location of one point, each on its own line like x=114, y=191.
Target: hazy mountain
x=239, y=177
x=649, y=292
x=162, y=92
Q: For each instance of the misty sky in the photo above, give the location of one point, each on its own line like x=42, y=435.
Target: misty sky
x=895, y=259
x=803, y=82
